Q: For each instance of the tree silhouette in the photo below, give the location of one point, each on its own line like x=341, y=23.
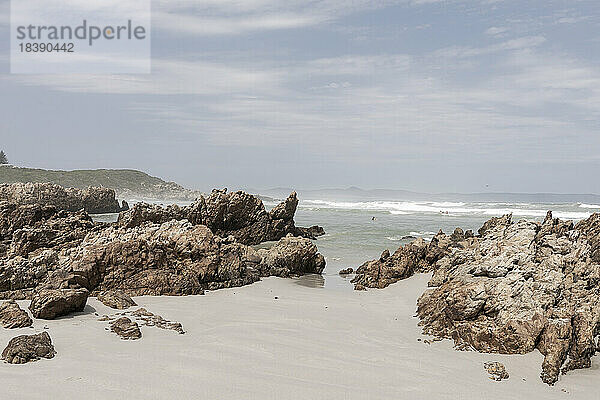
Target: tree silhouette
x=3, y=159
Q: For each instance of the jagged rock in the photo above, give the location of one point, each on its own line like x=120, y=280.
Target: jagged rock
x=116, y=299
x=12, y=316
x=142, y=213
x=178, y=258
x=174, y=258
x=346, y=271
x=514, y=287
x=51, y=304
x=496, y=370
x=151, y=319
x=93, y=200
x=23, y=349
x=35, y=237
x=418, y=256
x=238, y=214
x=126, y=329
x=520, y=286
x=291, y=256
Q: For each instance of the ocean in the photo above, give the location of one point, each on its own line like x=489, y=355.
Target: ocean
x=359, y=231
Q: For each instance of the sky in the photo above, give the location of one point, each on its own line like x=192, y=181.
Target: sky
x=423, y=95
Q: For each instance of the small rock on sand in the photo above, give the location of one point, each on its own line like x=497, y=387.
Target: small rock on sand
x=496, y=370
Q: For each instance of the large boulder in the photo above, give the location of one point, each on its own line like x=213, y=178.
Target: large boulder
x=291, y=256
x=23, y=349
x=54, y=303
x=93, y=200
x=13, y=316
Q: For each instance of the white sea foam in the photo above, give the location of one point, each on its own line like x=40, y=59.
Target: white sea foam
x=583, y=205
x=450, y=208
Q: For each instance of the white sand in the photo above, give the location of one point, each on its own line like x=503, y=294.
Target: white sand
x=243, y=344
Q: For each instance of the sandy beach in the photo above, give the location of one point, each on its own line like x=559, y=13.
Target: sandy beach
x=243, y=343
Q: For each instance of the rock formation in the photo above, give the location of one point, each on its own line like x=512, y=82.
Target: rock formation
x=116, y=299
x=346, y=271
x=514, y=287
x=291, y=256
x=178, y=258
x=93, y=200
x=126, y=329
x=236, y=214
x=496, y=370
x=150, y=319
x=51, y=304
x=23, y=349
x=416, y=257
x=13, y=316
x=151, y=251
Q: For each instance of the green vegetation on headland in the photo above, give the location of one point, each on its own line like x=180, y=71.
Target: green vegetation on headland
x=127, y=183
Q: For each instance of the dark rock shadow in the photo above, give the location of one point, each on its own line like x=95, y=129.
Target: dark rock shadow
x=86, y=311
x=311, y=281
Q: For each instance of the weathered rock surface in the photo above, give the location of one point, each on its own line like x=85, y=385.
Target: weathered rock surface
x=116, y=299
x=238, y=214
x=291, y=256
x=515, y=287
x=93, y=200
x=32, y=240
x=54, y=303
x=13, y=316
x=416, y=257
x=346, y=271
x=126, y=328
x=178, y=258
x=23, y=349
x=496, y=370
x=150, y=319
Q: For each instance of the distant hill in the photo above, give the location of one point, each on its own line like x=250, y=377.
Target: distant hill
x=357, y=194
x=128, y=184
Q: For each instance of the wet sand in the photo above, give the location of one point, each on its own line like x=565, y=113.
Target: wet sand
x=242, y=343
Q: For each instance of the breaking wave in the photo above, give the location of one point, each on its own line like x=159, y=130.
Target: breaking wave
x=451, y=208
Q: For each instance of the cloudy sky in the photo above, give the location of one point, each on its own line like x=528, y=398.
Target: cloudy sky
x=437, y=96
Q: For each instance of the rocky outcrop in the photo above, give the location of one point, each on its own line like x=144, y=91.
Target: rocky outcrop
x=236, y=214
x=23, y=349
x=13, y=316
x=151, y=251
x=416, y=257
x=514, y=288
x=116, y=299
x=51, y=304
x=178, y=258
x=94, y=200
x=346, y=271
x=26, y=228
x=35, y=239
x=126, y=329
